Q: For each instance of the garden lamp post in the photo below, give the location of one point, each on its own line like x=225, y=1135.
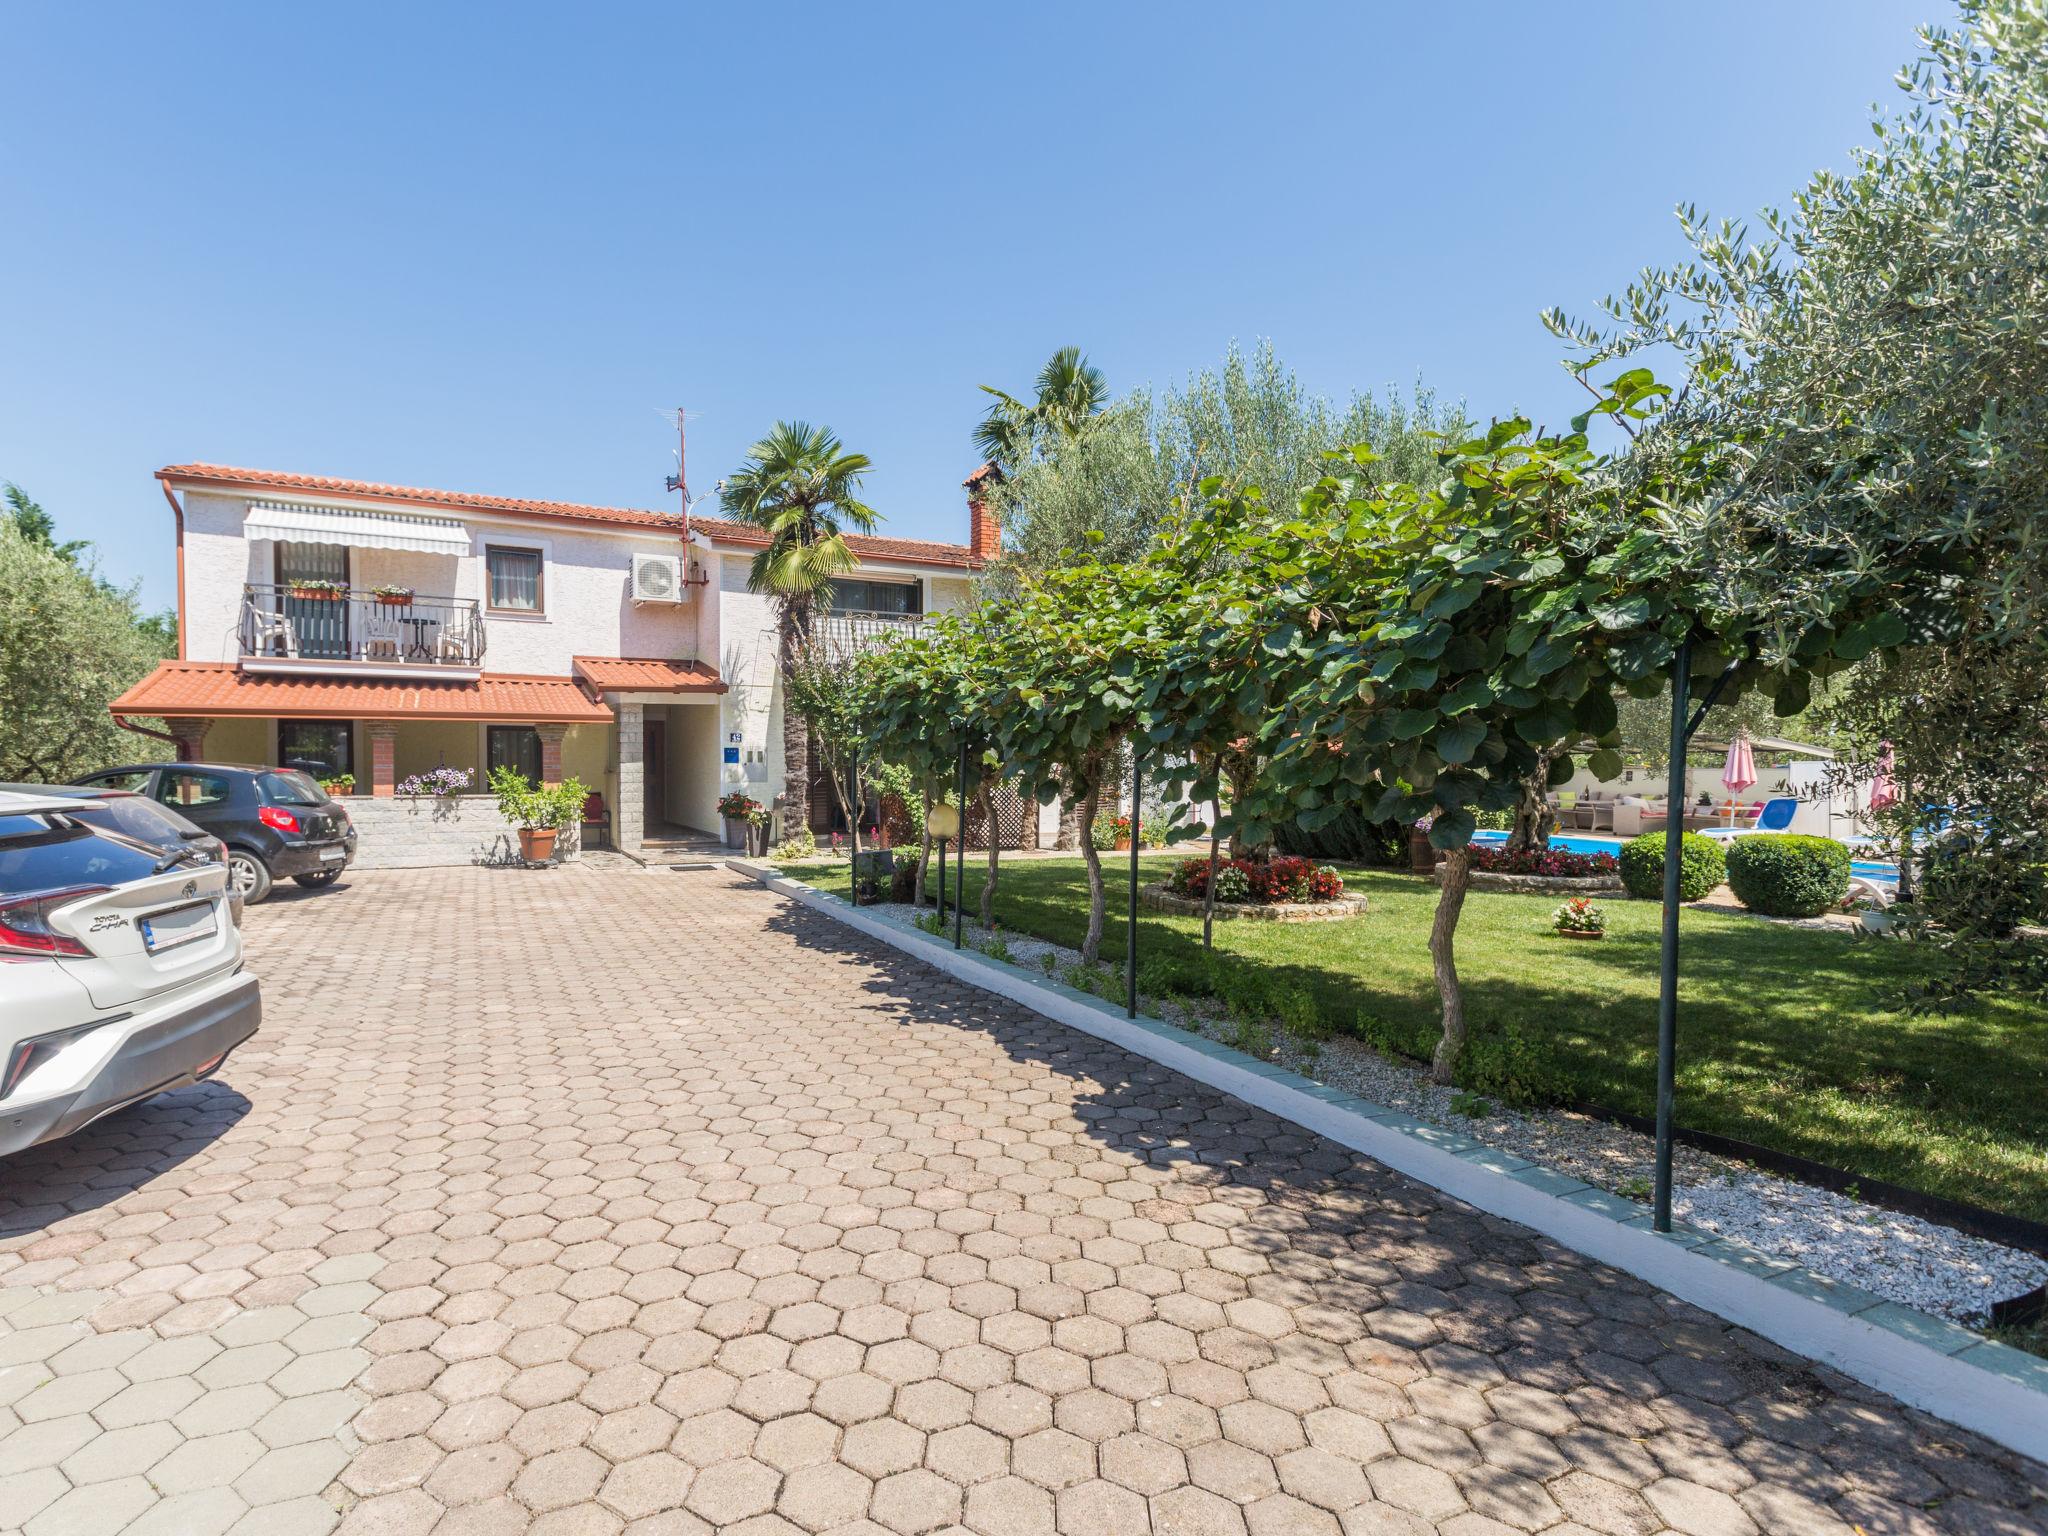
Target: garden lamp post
x=944, y=825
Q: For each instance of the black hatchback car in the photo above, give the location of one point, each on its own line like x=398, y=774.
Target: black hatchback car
x=276, y=822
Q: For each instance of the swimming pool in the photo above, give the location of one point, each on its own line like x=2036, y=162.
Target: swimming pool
x=1581, y=842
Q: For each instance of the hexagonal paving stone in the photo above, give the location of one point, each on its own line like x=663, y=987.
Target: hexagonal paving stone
x=827, y=1241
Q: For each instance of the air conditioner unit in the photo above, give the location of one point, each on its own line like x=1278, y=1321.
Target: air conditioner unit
x=657, y=579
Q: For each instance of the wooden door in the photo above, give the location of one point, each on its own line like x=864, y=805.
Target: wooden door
x=654, y=771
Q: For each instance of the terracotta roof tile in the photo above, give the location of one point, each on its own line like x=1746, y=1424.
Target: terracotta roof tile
x=215, y=688
x=718, y=529
x=647, y=674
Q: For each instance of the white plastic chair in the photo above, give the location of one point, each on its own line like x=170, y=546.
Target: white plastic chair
x=266, y=627
x=383, y=636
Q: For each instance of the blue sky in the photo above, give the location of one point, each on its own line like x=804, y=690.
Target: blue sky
x=486, y=249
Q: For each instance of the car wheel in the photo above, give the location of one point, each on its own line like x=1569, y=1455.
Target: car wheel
x=318, y=878
x=248, y=874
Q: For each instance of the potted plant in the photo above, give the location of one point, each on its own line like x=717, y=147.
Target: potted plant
x=1123, y=833
x=738, y=807
x=392, y=597
x=540, y=812
x=314, y=591
x=339, y=784
x=1579, y=918
x=757, y=831
x=1870, y=913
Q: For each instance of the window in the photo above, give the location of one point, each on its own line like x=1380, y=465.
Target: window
x=291, y=788
x=182, y=787
x=853, y=595
x=514, y=746
x=135, y=779
x=514, y=579
x=323, y=748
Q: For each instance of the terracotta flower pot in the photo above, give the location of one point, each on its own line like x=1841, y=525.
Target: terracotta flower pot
x=1581, y=933
x=394, y=599
x=1123, y=842
x=537, y=844
x=340, y=791
x=315, y=595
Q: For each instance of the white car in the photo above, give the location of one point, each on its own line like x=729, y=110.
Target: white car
x=120, y=970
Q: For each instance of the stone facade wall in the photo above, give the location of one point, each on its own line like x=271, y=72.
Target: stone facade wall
x=421, y=832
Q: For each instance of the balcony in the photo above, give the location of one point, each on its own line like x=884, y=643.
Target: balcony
x=337, y=631
x=847, y=630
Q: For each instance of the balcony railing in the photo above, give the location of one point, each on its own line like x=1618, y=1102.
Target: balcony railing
x=286, y=623
x=852, y=629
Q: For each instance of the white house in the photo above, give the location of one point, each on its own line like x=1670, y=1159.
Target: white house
x=384, y=631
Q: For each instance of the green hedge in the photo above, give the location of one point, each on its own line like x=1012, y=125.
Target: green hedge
x=1701, y=866
x=1788, y=876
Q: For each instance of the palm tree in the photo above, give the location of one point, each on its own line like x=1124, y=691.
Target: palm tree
x=1070, y=390
x=799, y=486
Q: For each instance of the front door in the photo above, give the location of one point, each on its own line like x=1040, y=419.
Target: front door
x=321, y=624
x=654, y=770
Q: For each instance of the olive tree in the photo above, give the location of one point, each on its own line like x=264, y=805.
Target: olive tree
x=1865, y=375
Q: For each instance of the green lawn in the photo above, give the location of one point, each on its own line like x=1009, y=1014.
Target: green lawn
x=1790, y=1038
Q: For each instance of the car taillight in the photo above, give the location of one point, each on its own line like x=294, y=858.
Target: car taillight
x=25, y=922
x=271, y=816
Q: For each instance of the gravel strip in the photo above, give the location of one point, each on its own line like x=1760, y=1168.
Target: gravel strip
x=1901, y=1258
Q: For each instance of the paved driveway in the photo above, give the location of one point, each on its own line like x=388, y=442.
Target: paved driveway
x=581, y=1202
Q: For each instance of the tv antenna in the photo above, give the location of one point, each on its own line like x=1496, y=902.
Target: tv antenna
x=679, y=484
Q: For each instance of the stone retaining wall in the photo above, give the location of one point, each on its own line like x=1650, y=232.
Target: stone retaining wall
x=1542, y=885
x=423, y=832
x=1161, y=899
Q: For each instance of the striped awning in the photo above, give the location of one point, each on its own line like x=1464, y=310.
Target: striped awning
x=300, y=524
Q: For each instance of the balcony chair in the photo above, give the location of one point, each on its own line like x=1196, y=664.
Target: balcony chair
x=266, y=627
x=383, y=635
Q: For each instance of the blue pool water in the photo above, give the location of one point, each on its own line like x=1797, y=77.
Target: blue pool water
x=1582, y=842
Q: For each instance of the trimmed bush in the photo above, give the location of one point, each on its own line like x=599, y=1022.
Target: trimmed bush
x=1701, y=866
x=1786, y=876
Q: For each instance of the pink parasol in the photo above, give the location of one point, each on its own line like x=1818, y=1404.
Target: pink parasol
x=1739, y=772
x=1884, y=788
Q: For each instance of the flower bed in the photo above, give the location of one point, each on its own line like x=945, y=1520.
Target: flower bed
x=1554, y=871
x=1556, y=863
x=1281, y=881
x=1284, y=890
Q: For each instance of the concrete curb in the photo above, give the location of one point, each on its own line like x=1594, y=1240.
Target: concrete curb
x=1999, y=1392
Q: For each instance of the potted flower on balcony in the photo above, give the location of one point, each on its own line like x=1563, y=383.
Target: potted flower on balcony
x=540, y=812
x=392, y=597
x=313, y=590
x=339, y=784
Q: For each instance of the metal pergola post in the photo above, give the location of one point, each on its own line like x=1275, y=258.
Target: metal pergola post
x=1682, y=729
x=1131, y=923
x=960, y=874
x=853, y=830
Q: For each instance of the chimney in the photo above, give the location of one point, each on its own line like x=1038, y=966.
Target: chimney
x=984, y=531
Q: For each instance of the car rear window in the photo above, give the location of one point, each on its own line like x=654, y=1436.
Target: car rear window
x=139, y=818
x=288, y=786
x=37, y=856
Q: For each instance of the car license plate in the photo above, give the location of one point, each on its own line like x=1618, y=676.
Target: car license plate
x=180, y=925
x=333, y=853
